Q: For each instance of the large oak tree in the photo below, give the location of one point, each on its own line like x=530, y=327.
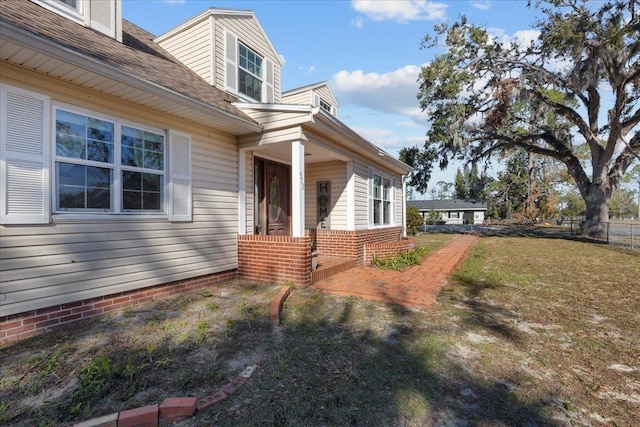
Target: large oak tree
x=577, y=84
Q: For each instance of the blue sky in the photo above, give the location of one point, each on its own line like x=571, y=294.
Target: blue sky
x=369, y=51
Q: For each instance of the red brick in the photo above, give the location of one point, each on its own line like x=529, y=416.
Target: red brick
x=59, y=314
x=102, y=304
x=208, y=401
x=47, y=310
x=70, y=318
x=121, y=300
x=46, y=323
x=36, y=319
x=174, y=408
x=146, y=416
x=10, y=325
x=72, y=304
x=19, y=330
x=234, y=385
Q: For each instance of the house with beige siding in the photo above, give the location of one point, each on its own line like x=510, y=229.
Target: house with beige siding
x=134, y=166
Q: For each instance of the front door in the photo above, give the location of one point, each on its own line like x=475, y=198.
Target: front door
x=274, y=206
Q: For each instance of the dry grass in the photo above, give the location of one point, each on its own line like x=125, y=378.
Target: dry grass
x=530, y=331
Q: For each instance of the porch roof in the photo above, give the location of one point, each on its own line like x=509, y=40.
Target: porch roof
x=288, y=122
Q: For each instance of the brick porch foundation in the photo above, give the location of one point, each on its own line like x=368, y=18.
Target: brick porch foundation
x=351, y=244
x=274, y=259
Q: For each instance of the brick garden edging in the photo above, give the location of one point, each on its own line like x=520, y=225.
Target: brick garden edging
x=172, y=409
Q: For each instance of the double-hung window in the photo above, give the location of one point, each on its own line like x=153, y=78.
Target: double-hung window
x=249, y=73
x=381, y=196
x=386, y=201
x=102, y=165
x=76, y=163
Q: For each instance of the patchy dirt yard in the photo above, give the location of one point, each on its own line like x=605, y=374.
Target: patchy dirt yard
x=529, y=331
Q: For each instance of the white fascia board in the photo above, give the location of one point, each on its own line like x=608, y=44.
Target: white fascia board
x=374, y=152
x=285, y=108
x=47, y=47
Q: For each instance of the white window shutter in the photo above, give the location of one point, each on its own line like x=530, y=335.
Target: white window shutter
x=24, y=157
x=370, y=196
x=392, y=199
x=269, y=96
x=101, y=16
x=316, y=100
x=230, y=62
x=180, y=198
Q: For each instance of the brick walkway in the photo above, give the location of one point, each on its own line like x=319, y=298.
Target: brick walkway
x=417, y=286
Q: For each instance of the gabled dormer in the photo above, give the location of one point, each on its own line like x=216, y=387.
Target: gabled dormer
x=230, y=50
x=104, y=16
x=316, y=95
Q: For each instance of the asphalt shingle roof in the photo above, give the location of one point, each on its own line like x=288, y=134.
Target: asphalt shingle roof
x=137, y=55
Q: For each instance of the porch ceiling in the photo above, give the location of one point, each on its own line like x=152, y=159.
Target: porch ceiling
x=313, y=153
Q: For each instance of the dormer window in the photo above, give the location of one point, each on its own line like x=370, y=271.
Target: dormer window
x=249, y=73
x=101, y=15
x=326, y=106
x=73, y=4
x=72, y=9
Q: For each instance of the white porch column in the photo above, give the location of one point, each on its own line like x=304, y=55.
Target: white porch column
x=404, y=205
x=297, y=189
x=242, y=192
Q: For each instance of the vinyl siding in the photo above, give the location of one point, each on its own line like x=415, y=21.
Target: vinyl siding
x=324, y=93
x=193, y=47
x=336, y=172
x=361, y=194
x=70, y=260
x=248, y=32
x=302, y=98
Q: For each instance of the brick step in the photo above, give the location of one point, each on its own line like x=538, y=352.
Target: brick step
x=330, y=266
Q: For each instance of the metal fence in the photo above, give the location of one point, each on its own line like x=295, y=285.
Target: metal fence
x=618, y=233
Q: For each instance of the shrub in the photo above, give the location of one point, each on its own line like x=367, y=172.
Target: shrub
x=414, y=220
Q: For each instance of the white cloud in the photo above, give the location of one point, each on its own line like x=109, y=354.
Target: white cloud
x=526, y=37
x=393, y=92
x=175, y=1
x=401, y=11
x=383, y=138
x=310, y=69
x=482, y=5
x=387, y=139
x=358, y=22
x=408, y=124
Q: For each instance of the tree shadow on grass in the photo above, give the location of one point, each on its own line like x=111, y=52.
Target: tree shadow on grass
x=329, y=368
x=334, y=362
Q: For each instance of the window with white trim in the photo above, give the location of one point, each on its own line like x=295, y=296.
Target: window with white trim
x=381, y=200
x=326, y=106
x=72, y=9
x=246, y=72
x=73, y=4
x=249, y=73
x=102, y=165
x=57, y=158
